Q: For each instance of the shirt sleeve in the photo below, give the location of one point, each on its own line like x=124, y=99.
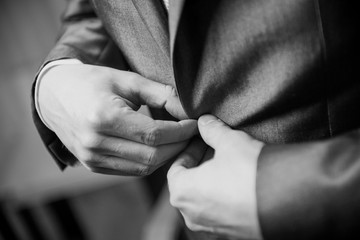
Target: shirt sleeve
x=40, y=77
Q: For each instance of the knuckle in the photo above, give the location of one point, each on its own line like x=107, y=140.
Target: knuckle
x=88, y=158
x=135, y=78
x=180, y=190
x=90, y=141
x=118, y=148
x=144, y=171
x=194, y=221
x=175, y=196
x=152, y=136
x=151, y=157
x=191, y=225
x=96, y=72
x=96, y=119
x=101, y=118
x=173, y=199
x=133, y=81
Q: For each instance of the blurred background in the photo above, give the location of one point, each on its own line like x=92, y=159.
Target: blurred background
x=37, y=200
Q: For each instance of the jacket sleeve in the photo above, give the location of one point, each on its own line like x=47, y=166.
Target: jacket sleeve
x=82, y=37
x=310, y=190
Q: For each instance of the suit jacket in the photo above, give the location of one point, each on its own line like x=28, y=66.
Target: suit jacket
x=283, y=71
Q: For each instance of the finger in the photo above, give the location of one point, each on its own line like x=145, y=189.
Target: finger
x=116, y=166
x=214, y=131
x=148, y=92
x=189, y=158
x=138, y=152
x=209, y=154
x=140, y=128
x=158, y=95
x=191, y=224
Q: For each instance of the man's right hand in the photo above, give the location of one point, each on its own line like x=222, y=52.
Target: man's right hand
x=92, y=110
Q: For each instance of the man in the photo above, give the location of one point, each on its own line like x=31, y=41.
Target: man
x=282, y=72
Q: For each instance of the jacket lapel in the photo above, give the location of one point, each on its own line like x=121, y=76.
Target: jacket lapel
x=175, y=10
x=190, y=27
x=154, y=16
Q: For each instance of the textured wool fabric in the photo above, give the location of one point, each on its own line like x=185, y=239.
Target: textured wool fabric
x=239, y=68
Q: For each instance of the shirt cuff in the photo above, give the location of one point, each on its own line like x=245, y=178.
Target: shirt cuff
x=38, y=80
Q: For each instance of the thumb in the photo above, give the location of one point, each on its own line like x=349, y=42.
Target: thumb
x=213, y=131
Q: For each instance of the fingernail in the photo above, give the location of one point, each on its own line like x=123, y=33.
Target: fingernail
x=206, y=119
x=171, y=90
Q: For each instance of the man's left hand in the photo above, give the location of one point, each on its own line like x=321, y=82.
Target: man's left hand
x=219, y=196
